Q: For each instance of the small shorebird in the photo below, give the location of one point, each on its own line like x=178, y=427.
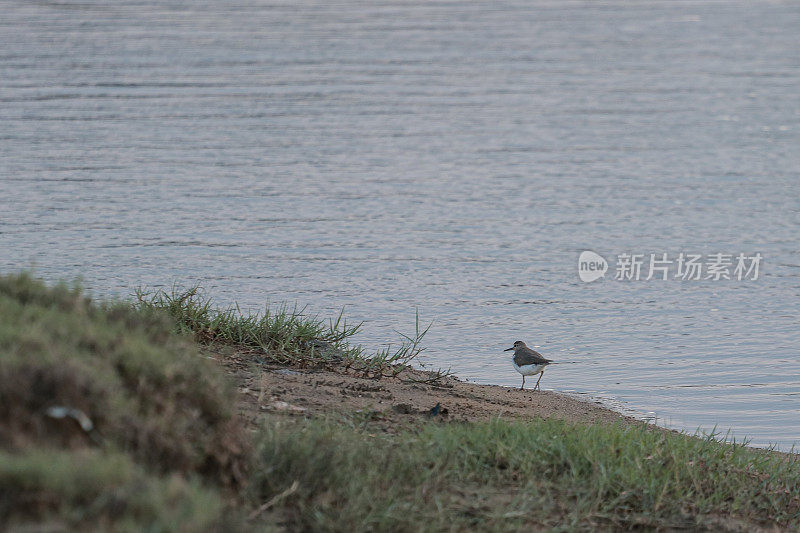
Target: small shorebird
x=528, y=362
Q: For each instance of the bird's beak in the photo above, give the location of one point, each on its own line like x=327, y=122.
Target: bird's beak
x=508, y=349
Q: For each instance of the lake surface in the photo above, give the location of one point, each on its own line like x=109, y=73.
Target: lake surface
x=451, y=157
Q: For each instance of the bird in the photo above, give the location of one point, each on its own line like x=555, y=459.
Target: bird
x=528, y=362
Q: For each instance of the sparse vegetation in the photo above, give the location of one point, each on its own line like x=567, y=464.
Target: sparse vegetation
x=113, y=418
x=283, y=334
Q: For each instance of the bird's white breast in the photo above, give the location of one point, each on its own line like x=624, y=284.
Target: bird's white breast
x=528, y=370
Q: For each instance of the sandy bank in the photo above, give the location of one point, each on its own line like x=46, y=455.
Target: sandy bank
x=268, y=387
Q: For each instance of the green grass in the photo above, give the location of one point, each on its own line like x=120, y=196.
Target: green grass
x=165, y=450
x=283, y=334
x=94, y=490
x=511, y=476
x=149, y=396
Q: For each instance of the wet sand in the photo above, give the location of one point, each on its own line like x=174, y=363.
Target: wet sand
x=267, y=387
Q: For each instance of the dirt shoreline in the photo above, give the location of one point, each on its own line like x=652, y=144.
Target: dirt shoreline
x=268, y=387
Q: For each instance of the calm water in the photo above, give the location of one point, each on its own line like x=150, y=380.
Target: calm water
x=454, y=157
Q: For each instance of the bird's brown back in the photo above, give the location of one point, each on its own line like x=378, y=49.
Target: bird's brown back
x=526, y=356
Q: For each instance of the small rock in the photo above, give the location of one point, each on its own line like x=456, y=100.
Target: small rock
x=287, y=372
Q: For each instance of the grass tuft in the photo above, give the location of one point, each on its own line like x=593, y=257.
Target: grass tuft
x=286, y=335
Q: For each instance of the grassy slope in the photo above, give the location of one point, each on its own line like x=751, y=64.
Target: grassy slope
x=163, y=416
x=507, y=476
x=167, y=453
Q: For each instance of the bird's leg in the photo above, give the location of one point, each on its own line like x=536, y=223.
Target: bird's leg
x=523, y=383
x=538, y=380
